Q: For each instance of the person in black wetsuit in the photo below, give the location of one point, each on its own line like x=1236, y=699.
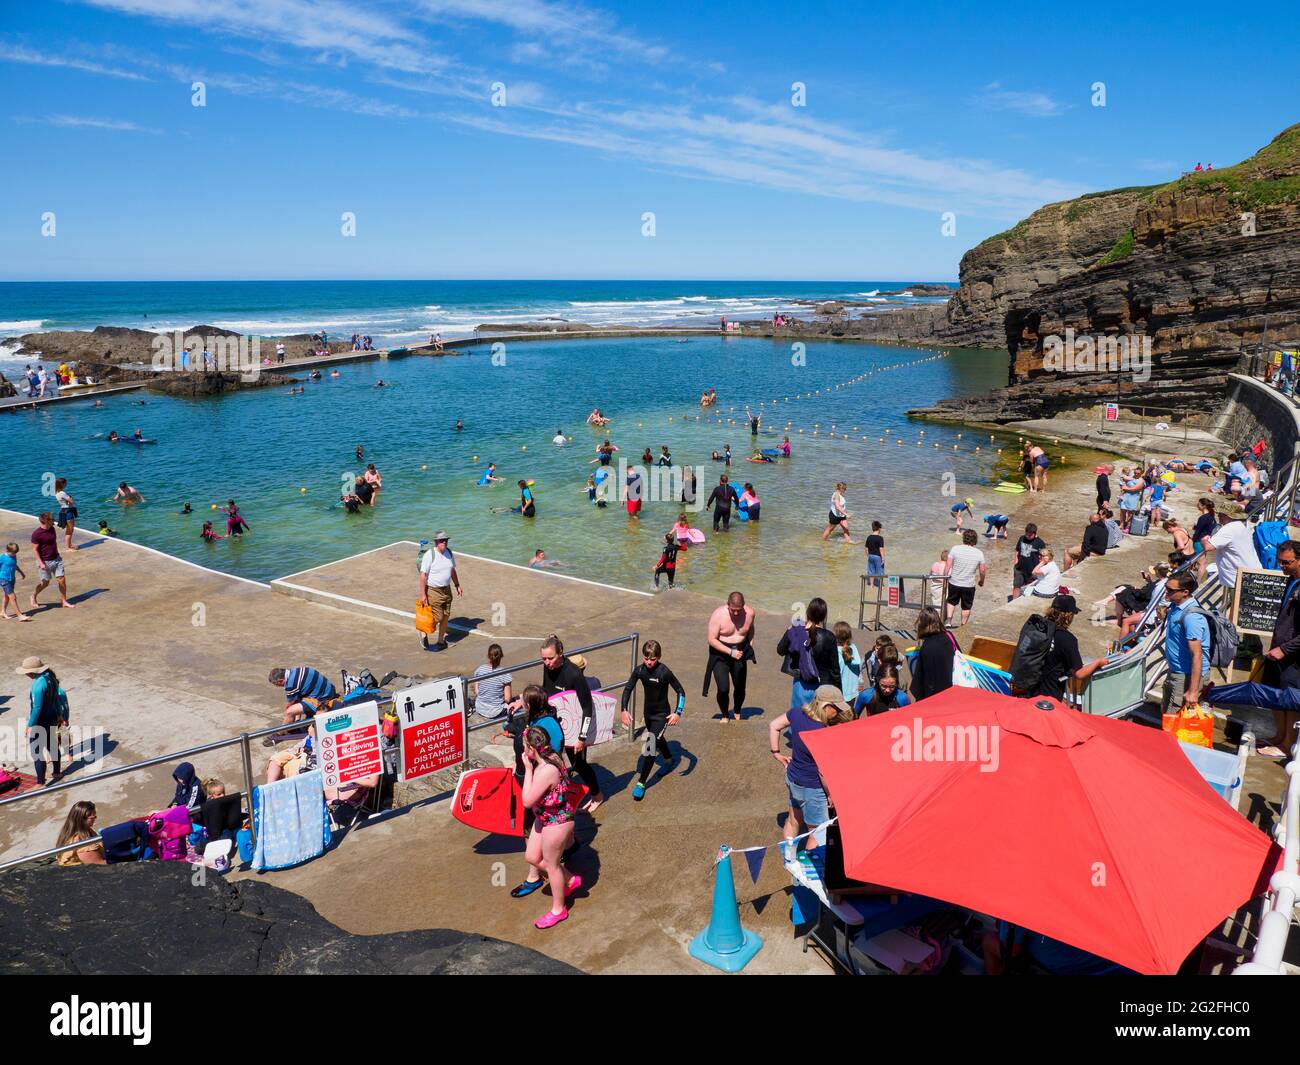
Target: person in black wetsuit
x=721, y=500
x=731, y=640
x=558, y=675
x=656, y=678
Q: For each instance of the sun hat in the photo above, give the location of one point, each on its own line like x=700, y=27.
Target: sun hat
x=32, y=665
x=441, y=536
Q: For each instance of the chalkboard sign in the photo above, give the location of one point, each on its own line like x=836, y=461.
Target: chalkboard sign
x=1257, y=600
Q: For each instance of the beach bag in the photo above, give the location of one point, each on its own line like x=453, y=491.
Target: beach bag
x=1140, y=525
x=1029, y=660
x=801, y=647
x=1190, y=724
x=963, y=673
x=388, y=724
x=424, y=619
x=1269, y=536
x=9, y=778
x=1224, y=638
x=124, y=842
x=168, y=832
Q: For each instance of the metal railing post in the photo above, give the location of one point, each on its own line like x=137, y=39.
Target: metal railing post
x=631, y=704
x=247, y=757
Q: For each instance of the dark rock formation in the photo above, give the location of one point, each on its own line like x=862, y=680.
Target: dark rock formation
x=195, y=385
x=7, y=388
x=150, y=918
x=1207, y=267
x=111, y=344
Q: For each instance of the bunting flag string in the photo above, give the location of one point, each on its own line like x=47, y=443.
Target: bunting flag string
x=754, y=855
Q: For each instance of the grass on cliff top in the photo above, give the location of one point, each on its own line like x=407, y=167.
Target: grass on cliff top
x=1122, y=249
x=1270, y=176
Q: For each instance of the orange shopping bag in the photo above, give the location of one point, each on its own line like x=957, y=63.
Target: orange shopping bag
x=1192, y=725
x=423, y=618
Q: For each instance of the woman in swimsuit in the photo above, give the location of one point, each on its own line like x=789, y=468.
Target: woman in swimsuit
x=235, y=523
x=546, y=791
x=373, y=477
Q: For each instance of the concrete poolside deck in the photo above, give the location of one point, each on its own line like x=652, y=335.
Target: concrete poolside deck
x=134, y=662
x=137, y=662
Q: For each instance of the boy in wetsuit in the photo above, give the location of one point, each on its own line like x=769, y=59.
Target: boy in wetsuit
x=667, y=561
x=656, y=678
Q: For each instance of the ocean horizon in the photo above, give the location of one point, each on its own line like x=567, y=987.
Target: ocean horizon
x=403, y=311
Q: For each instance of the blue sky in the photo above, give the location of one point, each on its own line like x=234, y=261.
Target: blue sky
x=319, y=107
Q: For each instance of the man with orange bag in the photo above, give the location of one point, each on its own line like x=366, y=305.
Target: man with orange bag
x=1187, y=645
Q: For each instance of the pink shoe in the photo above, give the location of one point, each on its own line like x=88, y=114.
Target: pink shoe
x=574, y=883
x=551, y=919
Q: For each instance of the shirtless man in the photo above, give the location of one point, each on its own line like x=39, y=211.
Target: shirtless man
x=731, y=639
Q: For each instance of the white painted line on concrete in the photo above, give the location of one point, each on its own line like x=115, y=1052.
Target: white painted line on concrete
x=161, y=554
x=545, y=572
x=345, y=558
x=405, y=615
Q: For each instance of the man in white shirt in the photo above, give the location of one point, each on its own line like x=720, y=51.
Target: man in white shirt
x=1233, y=545
x=558, y=438
x=966, y=568
x=437, y=576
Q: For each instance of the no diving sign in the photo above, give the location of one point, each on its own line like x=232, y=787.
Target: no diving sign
x=347, y=743
x=432, y=717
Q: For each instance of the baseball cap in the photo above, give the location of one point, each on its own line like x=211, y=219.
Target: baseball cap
x=828, y=695
x=1065, y=604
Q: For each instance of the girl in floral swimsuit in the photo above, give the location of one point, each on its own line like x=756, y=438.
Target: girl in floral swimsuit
x=546, y=790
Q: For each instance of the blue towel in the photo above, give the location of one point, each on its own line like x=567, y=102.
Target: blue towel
x=292, y=823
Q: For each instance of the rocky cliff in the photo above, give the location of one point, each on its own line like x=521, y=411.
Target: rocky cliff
x=1206, y=267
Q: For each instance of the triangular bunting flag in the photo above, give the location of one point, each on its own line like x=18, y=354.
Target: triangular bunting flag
x=754, y=859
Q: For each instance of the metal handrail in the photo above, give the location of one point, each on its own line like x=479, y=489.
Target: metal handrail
x=882, y=597
x=243, y=741
x=1284, y=885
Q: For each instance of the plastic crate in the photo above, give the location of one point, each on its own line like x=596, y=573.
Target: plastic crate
x=1218, y=768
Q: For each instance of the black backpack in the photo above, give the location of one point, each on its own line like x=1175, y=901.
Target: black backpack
x=1032, y=648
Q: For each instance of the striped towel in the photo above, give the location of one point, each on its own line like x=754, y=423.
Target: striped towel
x=291, y=820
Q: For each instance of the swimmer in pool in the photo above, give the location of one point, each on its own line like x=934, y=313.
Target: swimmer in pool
x=558, y=438
x=236, y=526
x=682, y=530
x=126, y=495
x=460, y=426
x=785, y=447
x=104, y=530
x=113, y=437
x=138, y=435
x=361, y=453
x=335, y=373
x=758, y=456
x=540, y=561
x=490, y=476
x=527, y=506
x=208, y=535
x=186, y=509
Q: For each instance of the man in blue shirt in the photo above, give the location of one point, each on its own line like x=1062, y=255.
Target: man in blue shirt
x=1187, y=646
x=304, y=689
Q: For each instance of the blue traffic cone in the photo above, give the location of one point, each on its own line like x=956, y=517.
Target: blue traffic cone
x=724, y=944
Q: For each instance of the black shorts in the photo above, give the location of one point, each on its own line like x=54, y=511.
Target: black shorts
x=963, y=597
x=835, y=519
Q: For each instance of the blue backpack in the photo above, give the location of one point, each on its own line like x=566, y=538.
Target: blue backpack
x=1269, y=536
x=125, y=842
x=801, y=647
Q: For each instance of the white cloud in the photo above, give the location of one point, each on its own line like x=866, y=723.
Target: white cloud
x=81, y=122
x=19, y=54
x=1030, y=104
x=327, y=27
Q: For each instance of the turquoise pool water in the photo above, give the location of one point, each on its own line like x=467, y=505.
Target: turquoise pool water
x=282, y=458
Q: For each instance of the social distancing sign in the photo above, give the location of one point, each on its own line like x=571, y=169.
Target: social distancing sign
x=432, y=718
